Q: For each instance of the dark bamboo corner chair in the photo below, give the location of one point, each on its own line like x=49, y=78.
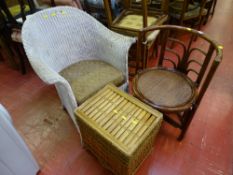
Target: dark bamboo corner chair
x=184, y=71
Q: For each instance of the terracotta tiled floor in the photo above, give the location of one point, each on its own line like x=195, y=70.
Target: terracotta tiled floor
x=206, y=150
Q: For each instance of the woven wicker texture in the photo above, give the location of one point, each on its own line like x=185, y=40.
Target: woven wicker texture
x=118, y=129
x=58, y=37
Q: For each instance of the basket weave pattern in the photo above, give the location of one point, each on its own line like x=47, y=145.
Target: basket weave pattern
x=118, y=129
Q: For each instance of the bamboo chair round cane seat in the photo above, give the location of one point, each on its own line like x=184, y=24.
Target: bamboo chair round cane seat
x=165, y=89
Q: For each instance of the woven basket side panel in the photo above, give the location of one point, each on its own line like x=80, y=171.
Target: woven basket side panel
x=144, y=149
x=142, y=152
x=109, y=157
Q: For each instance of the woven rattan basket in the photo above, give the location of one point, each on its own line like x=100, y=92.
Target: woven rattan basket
x=118, y=129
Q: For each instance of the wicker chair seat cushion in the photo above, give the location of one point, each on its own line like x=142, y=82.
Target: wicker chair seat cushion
x=89, y=76
x=166, y=89
x=135, y=21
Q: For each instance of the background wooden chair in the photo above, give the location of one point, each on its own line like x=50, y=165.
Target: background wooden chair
x=133, y=17
x=96, y=9
x=181, y=78
x=14, y=16
x=190, y=12
x=210, y=6
x=4, y=41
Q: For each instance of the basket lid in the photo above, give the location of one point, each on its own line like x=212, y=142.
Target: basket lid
x=120, y=118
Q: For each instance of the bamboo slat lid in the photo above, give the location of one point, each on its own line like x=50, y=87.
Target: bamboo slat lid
x=120, y=118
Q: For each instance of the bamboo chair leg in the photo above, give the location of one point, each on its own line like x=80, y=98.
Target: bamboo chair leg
x=188, y=116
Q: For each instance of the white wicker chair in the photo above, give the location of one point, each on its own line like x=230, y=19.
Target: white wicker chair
x=56, y=38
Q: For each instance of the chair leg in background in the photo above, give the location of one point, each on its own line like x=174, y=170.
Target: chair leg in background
x=1, y=57
x=213, y=8
x=209, y=7
x=8, y=50
x=21, y=57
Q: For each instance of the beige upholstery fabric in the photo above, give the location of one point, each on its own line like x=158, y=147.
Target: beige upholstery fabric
x=89, y=76
x=135, y=21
